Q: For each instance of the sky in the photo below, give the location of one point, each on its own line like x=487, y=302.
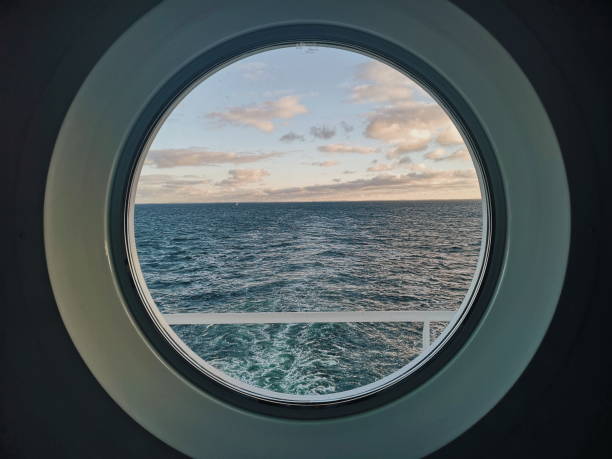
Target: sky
x=306, y=123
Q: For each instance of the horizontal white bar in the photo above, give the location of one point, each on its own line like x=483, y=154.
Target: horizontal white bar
x=205, y=318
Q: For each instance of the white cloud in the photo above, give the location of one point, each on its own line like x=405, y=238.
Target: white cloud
x=462, y=154
x=438, y=154
x=199, y=156
x=401, y=121
x=261, y=116
x=413, y=141
x=405, y=163
x=381, y=167
x=238, y=177
x=170, y=181
x=407, y=127
x=450, y=136
x=419, y=182
x=375, y=93
x=324, y=163
x=344, y=148
x=169, y=188
x=441, y=154
x=382, y=83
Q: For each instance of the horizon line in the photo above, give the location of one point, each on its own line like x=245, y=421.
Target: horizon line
x=310, y=202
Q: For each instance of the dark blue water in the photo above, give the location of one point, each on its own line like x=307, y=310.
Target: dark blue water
x=406, y=255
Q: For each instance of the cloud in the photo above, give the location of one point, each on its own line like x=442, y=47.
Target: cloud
x=349, y=172
x=170, y=181
x=407, y=127
x=438, y=154
x=409, y=145
x=419, y=182
x=344, y=148
x=199, y=156
x=403, y=121
x=261, y=115
x=347, y=128
x=322, y=132
x=450, y=136
x=381, y=167
x=291, y=137
x=169, y=188
x=239, y=177
x=462, y=154
x=441, y=154
x=382, y=83
x=325, y=163
x=405, y=160
x=376, y=93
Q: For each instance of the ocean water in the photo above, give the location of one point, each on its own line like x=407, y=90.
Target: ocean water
x=335, y=256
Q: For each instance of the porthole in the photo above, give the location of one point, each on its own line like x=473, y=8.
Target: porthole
x=120, y=106
x=341, y=336
x=303, y=236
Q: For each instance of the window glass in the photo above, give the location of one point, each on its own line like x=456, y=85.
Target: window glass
x=308, y=222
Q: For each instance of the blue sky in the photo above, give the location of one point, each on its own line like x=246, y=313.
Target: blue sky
x=306, y=124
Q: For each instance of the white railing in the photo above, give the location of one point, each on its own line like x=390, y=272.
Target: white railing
x=204, y=318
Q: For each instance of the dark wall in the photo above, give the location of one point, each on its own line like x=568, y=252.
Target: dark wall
x=51, y=406
x=562, y=405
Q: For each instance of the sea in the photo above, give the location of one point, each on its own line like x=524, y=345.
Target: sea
x=314, y=256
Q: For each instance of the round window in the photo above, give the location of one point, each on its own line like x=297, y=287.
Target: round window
x=307, y=224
